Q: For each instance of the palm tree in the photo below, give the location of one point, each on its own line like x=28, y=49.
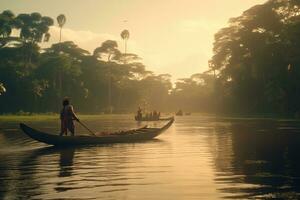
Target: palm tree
x=61, y=20
x=125, y=37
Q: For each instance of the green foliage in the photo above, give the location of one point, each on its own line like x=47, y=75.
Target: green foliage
x=108, y=51
x=61, y=20
x=36, y=80
x=194, y=93
x=2, y=88
x=6, y=23
x=33, y=27
x=257, y=59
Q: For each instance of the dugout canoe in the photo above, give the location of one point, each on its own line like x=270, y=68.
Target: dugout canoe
x=129, y=136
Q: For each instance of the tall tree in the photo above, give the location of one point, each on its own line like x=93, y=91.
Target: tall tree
x=125, y=37
x=61, y=20
x=108, y=49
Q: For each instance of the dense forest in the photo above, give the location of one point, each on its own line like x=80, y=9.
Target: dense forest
x=107, y=80
x=255, y=69
x=257, y=60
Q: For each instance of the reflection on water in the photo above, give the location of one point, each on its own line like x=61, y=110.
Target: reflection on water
x=66, y=162
x=197, y=158
x=259, y=159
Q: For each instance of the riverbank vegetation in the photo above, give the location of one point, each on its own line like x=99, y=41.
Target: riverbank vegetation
x=33, y=117
x=255, y=69
x=256, y=59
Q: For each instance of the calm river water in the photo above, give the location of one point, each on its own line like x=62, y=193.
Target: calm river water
x=197, y=158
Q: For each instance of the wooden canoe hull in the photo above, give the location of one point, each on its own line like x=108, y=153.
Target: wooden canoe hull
x=126, y=137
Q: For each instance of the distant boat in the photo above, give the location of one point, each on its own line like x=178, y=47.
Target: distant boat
x=115, y=137
x=179, y=113
x=151, y=120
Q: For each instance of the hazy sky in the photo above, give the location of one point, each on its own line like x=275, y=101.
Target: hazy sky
x=172, y=36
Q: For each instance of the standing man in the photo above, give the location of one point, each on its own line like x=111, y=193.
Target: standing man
x=67, y=116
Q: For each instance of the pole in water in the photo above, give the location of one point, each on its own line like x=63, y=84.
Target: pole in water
x=86, y=128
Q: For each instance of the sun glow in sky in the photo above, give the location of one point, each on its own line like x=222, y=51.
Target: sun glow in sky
x=172, y=36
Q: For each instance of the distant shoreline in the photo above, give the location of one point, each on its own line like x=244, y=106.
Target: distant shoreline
x=55, y=116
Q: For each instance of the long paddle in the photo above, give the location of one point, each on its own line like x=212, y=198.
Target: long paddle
x=87, y=128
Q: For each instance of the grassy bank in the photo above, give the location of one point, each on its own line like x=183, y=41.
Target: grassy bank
x=52, y=116
x=24, y=118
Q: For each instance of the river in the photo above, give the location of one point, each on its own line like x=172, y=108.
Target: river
x=198, y=157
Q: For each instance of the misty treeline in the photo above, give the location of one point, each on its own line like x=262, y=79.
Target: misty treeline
x=37, y=79
x=255, y=69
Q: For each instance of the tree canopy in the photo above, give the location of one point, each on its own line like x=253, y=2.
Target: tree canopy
x=257, y=59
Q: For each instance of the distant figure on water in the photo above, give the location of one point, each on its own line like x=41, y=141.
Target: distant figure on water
x=155, y=115
x=139, y=113
x=67, y=115
x=152, y=116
